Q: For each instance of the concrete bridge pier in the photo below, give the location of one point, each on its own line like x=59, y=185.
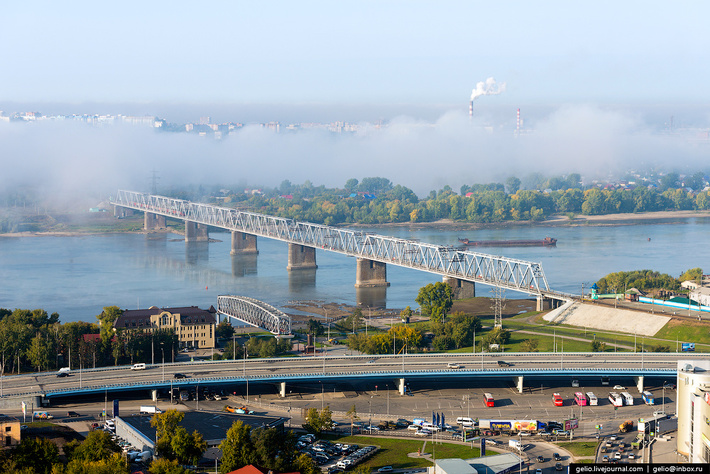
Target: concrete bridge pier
x=401, y=387
x=119, y=211
x=370, y=274
x=519, y=383
x=301, y=257
x=543, y=304
x=154, y=395
x=461, y=288
x=153, y=221
x=282, y=389
x=243, y=243
x=638, y=380
x=195, y=232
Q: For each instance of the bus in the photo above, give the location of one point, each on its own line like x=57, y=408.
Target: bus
x=648, y=398
x=628, y=399
x=557, y=400
x=592, y=399
x=580, y=399
x=488, y=400
x=615, y=399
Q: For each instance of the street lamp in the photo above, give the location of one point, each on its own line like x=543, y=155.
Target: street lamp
x=162, y=350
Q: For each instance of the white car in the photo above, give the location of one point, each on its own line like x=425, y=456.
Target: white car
x=619, y=387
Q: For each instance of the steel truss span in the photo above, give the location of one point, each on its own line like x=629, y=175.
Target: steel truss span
x=509, y=273
x=255, y=312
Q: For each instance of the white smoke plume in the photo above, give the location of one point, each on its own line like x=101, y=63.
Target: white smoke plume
x=487, y=88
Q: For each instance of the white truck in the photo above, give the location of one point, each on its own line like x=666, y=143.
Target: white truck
x=150, y=410
x=515, y=444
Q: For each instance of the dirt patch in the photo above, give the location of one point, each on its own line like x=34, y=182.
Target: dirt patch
x=482, y=306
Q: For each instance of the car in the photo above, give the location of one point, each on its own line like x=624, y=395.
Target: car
x=502, y=363
x=557, y=456
x=23, y=427
x=453, y=365
x=619, y=387
x=669, y=386
x=617, y=455
x=63, y=374
x=538, y=471
x=540, y=459
x=613, y=438
x=631, y=456
x=423, y=433
x=179, y=376
x=385, y=469
x=73, y=414
x=659, y=414
x=605, y=458
x=558, y=466
x=604, y=449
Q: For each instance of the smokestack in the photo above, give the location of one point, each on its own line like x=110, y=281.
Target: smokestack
x=517, y=126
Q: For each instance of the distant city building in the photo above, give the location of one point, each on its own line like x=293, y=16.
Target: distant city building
x=194, y=327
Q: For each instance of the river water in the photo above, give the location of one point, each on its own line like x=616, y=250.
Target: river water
x=76, y=276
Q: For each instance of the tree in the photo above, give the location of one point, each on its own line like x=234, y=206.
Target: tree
x=315, y=327
x=166, y=466
x=38, y=454
x=115, y=464
x=237, y=448
x=316, y=422
x=435, y=300
x=512, y=185
x=598, y=346
x=694, y=274
x=188, y=448
x=38, y=353
x=306, y=465
x=530, y=345
x=97, y=446
x=352, y=414
x=165, y=425
x=224, y=330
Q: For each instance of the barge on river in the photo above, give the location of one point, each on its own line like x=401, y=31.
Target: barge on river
x=546, y=242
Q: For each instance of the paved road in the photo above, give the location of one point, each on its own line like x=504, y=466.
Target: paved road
x=310, y=368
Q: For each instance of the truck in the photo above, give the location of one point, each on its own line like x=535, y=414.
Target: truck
x=42, y=415
x=149, y=410
x=628, y=399
x=626, y=426
x=515, y=444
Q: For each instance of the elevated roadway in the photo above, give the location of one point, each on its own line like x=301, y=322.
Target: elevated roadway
x=316, y=370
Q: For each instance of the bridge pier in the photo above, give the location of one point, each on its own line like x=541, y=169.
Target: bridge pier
x=153, y=221
x=461, y=288
x=401, y=387
x=542, y=304
x=519, y=383
x=195, y=232
x=243, y=243
x=119, y=211
x=370, y=274
x=154, y=395
x=638, y=380
x=282, y=389
x=301, y=257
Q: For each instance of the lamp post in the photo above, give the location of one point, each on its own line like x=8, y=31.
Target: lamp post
x=162, y=350
x=664, y=398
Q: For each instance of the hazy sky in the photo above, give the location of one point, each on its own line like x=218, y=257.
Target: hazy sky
x=597, y=82
x=401, y=52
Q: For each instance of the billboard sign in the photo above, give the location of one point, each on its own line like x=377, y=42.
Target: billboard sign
x=572, y=424
x=501, y=425
x=525, y=425
x=483, y=447
x=688, y=347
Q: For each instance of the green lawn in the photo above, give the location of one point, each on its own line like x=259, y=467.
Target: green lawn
x=394, y=451
x=580, y=448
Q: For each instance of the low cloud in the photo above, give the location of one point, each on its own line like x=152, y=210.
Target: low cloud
x=67, y=159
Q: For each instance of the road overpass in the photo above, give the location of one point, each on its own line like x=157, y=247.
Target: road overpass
x=335, y=369
x=460, y=268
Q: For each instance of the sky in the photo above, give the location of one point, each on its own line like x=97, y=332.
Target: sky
x=596, y=82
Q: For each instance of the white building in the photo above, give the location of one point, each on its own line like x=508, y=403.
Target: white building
x=693, y=408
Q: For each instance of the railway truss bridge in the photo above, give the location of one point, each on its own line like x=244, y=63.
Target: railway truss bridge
x=462, y=269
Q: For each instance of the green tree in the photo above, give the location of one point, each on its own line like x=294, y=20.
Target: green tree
x=598, y=346
x=224, y=330
x=165, y=425
x=115, y=464
x=694, y=274
x=166, y=466
x=317, y=422
x=306, y=465
x=38, y=454
x=237, y=448
x=188, y=448
x=38, y=352
x=512, y=184
x=352, y=414
x=315, y=327
x=97, y=446
x=435, y=300
x=530, y=345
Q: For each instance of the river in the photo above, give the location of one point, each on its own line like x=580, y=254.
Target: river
x=76, y=276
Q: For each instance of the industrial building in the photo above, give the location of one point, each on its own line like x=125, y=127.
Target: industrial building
x=693, y=409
